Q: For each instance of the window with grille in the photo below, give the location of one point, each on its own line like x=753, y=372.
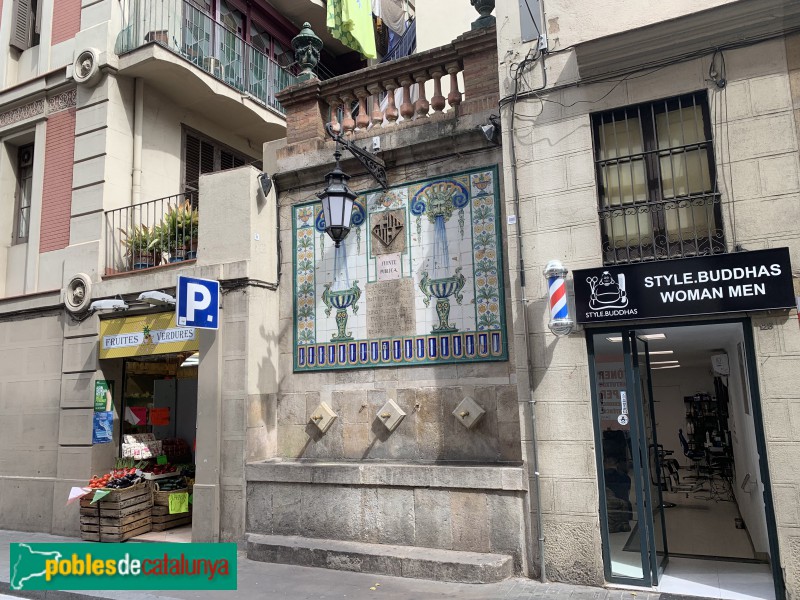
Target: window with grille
x=204, y=155
x=656, y=180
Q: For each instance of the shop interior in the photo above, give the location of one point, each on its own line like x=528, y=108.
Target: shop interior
x=702, y=455
x=158, y=427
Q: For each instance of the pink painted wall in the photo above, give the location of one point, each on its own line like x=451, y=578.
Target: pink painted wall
x=57, y=190
x=66, y=20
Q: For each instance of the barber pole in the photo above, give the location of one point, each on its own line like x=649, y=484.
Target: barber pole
x=560, y=321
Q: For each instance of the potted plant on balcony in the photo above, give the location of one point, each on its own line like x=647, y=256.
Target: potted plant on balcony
x=191, y=220
x=171, y=228
x=179, y=231
x=142, y=246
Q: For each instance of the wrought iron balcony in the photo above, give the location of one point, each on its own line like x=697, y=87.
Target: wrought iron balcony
x=660, y=230
x=192, y=34
x=152, y=234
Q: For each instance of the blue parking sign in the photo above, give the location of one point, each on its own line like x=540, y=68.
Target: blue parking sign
x=198, y=303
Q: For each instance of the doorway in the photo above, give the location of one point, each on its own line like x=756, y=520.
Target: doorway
x=158, y=433
x=685, y=504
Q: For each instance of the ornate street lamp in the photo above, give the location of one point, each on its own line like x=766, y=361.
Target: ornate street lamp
x=337, y=199
x=337, y=202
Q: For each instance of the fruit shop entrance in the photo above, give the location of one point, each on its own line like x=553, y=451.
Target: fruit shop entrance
x=158, y=433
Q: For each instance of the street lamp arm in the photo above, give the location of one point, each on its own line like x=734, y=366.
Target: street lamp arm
x=372, y=163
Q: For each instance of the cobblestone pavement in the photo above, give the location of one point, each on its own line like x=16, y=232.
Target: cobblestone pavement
x=267, y=581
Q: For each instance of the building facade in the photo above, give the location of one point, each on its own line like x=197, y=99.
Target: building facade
x=662, y=141
x=111, y=113
x=400, y=403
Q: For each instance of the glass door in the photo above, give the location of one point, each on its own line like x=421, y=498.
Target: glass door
x=619, y=461
x=652, y=457
x=629, y=463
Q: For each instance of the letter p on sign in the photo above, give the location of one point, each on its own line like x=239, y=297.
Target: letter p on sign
x=197, y=303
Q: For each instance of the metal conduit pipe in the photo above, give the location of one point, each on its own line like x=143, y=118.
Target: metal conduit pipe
x=138, y=124
x=524, y=304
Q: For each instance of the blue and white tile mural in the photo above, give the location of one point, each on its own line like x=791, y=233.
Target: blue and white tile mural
x=419, y=279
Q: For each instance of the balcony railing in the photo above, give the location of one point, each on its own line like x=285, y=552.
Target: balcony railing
x=661, y=230
x=382, y=94
x=189, y=32
x=152, y=233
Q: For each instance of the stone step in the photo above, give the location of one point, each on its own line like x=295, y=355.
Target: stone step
x=383, y=559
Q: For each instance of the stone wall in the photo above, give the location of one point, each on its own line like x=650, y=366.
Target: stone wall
x=29, y=411
x=479, y=509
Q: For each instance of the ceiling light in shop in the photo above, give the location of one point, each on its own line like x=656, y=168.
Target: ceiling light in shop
x=652, y=352
x=666, y=367
x=647, y=337
x=191, y=361
x=664, y=362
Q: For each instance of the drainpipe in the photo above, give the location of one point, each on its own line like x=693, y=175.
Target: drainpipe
x=138, y=122
x=524, y=302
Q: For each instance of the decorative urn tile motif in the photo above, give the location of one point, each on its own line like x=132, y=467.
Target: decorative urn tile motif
x=421, y=284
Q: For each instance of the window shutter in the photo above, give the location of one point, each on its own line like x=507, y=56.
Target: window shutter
x=206, y=158
x=21, y=18
x=191, y=169
x=229, y=160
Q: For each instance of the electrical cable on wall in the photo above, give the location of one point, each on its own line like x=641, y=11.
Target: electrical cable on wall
x=518, y=71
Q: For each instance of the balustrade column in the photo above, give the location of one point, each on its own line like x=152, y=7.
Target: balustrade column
x=421, y=106
x=348, y=124
x=390, y=113
x=377, y=116
x=454, y=97
x=362, y=120
x=333, y=103
x=406, y=108
x=437, y=101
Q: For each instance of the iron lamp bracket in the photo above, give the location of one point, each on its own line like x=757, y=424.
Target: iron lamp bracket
x=372, y=163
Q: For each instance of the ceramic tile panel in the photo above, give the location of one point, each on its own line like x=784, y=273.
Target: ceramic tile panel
x=419, y=279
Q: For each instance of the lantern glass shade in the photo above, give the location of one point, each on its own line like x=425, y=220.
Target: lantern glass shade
x=337, y=206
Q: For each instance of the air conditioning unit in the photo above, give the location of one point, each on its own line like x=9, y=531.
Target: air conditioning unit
x=719, y=364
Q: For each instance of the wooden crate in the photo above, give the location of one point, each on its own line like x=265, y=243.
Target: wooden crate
x=162, y=498
x=127, y=515
x=162, y=520
x=118, y=495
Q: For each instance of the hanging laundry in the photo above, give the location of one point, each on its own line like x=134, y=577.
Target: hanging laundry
x=394, y=15
x=350, y=22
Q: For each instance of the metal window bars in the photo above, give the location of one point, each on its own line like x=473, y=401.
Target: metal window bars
x=152, y=233
x=657, y=185
x=188, y=31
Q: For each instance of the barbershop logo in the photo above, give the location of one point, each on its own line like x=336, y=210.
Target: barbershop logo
x=607, y=292
x=123, y=566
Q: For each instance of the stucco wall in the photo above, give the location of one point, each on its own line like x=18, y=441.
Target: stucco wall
x=162, y=149
x=567, y=19
x=439, y=23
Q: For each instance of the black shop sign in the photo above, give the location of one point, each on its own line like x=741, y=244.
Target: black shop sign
x=724, y=283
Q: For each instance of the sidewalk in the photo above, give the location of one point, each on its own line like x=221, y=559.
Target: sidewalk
x=267, y=581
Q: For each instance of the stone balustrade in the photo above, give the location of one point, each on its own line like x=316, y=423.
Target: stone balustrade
x=379, y=98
